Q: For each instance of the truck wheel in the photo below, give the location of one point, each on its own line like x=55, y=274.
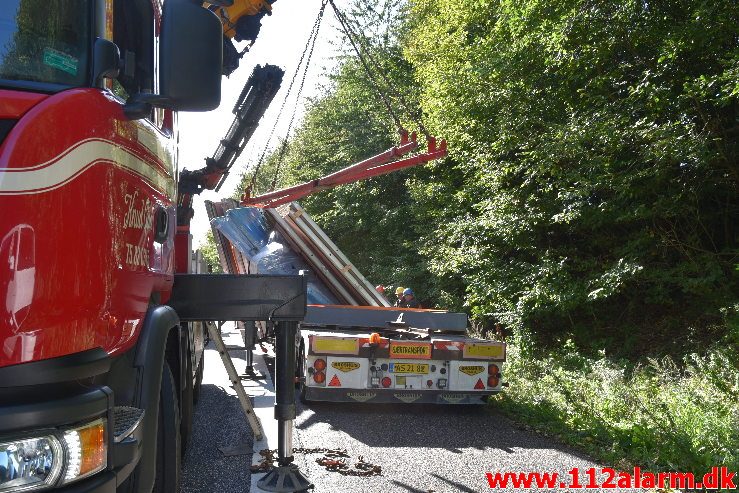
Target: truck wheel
x=168, y=456
x=186, y=406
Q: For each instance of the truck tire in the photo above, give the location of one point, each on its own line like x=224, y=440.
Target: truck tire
x=168, y=452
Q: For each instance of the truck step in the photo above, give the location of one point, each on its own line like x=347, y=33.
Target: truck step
x=126, y=419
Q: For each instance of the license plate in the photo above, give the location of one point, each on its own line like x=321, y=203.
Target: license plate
x=409, y=368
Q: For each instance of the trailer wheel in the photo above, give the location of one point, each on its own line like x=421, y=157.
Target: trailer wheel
x=301, y=373
x=186, y=406
x=168, y=452
x=198, y=380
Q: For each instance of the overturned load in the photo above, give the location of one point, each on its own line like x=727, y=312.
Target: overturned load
x=286, y=241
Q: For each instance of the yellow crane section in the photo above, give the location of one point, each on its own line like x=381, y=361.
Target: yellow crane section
x=231, y=15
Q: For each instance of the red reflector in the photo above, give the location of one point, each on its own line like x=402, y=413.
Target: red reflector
x=493, y=381
x=319, y=364
x=429, y=383
x=386, y=382
x=492, y=369
x=319, y=377
x=335, y=382
x=479, y=385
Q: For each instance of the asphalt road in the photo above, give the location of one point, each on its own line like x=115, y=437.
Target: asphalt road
x=420, y=448
x=423, y=448
x=218, y=422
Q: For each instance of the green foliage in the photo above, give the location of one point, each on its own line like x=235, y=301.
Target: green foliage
x=374, y=222
x=210, y=253
x=661, y=416
x=592, y=184
x=597, y=147
x=590, y=197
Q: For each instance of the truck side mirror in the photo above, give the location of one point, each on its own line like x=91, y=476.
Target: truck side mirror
x=190, y=61
x=106, y=60
x=190, y=56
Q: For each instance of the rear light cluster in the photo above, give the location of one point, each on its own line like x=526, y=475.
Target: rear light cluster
x=493, y=375
x=319, y=371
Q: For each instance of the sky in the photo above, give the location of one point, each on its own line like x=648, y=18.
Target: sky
x=280, y=42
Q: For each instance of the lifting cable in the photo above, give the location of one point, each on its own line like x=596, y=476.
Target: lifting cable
x=383, y=163
x=351, y=35
x=312, y=43
x=348, y=31
x=308, y=50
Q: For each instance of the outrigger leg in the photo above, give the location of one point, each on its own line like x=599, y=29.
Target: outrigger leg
x=285, y=477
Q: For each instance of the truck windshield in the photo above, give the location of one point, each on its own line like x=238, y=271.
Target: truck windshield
x=45, y=41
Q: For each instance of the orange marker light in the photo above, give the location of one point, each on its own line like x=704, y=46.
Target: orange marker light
x=87, y=450
x=319, y=364
x=375, y=338
x=94, y=454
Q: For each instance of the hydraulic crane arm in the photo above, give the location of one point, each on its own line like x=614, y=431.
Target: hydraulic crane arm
x=255, y=98
x=381, y=164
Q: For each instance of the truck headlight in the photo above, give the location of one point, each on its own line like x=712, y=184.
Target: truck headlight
x=35, y=463
x=30, y=463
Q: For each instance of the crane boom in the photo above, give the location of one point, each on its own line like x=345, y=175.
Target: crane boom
x=256, y=96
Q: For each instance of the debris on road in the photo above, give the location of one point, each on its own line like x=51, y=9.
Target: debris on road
x=332, y=460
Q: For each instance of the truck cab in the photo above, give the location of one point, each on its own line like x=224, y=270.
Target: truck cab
x=97, y=374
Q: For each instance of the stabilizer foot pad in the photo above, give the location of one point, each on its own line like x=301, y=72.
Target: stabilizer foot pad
x=285, y=479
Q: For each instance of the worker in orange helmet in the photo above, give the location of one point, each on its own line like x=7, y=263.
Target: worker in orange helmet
x=399, y=296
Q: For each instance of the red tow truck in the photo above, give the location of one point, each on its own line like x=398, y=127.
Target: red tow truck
x=98, y=374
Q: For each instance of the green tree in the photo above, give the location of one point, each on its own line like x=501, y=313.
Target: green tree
x=374, y=222
x=210, y=253
x=596, y=146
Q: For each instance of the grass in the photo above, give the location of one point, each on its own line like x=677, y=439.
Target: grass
x=662, y=414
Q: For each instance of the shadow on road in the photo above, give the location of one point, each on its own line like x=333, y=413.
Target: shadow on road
x=452, y=428
x=218, y=422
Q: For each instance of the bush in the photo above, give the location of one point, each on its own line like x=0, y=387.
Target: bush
x=663, y=415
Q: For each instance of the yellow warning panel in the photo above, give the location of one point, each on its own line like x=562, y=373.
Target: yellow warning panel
x=335, y=345
x=494, y=351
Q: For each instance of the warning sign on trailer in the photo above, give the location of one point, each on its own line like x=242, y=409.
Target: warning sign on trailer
x=410, y=350
x=471, y=370
x=345, y=366
x=335, y=382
